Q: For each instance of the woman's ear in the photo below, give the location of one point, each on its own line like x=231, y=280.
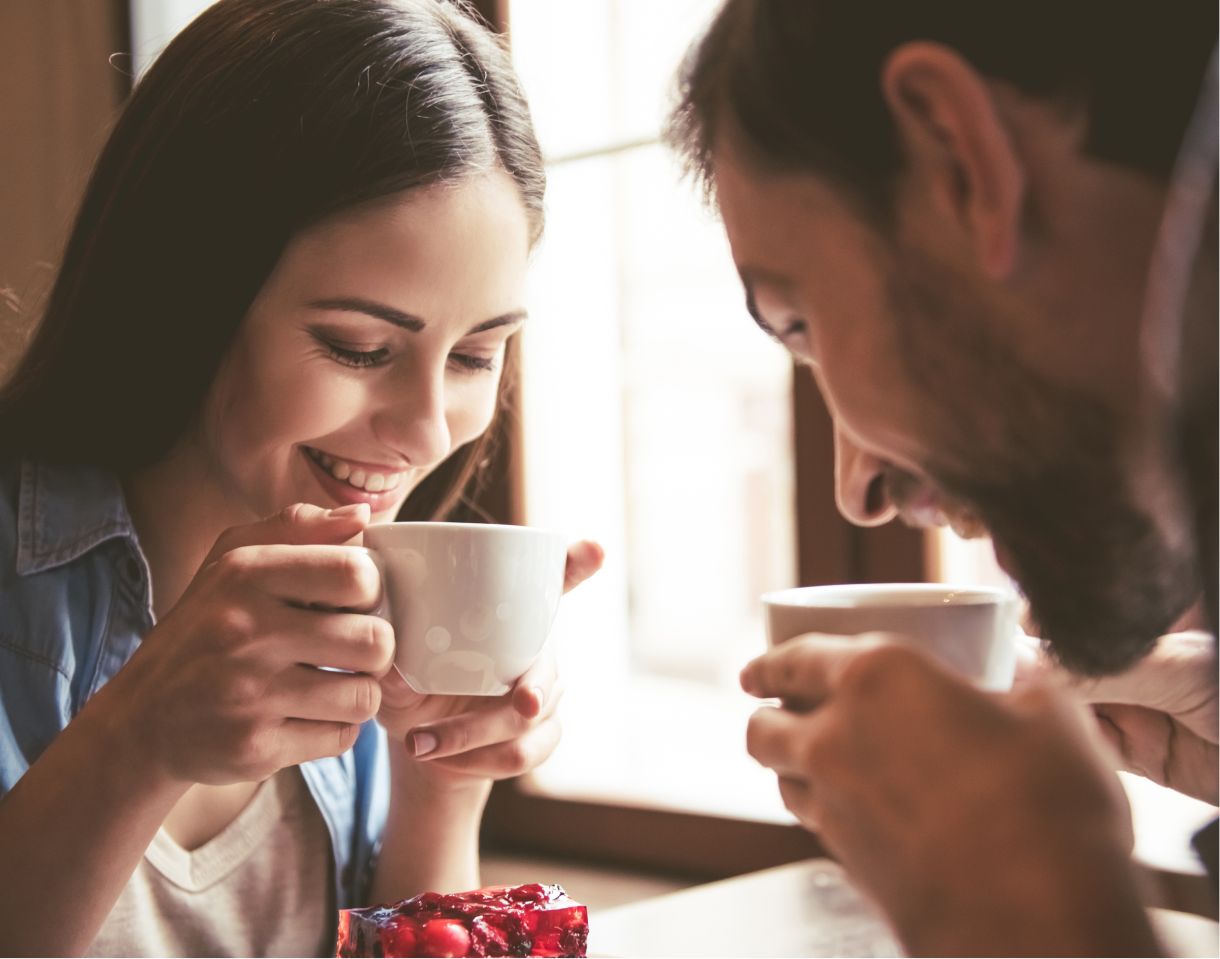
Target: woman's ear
x=957, y=148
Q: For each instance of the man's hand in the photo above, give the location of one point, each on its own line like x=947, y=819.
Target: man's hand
x=1161, y=716
x=982, y=824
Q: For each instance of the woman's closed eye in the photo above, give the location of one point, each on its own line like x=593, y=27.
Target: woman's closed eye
x=349, y=352
x=358, y=359
x=466, y=359
x=472, y=363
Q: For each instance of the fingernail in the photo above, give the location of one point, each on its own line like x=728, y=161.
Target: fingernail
x=425, y=743
x=346, y=510
x=539, y=695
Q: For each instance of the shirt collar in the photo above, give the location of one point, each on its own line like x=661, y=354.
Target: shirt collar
x=1180, y=242
x=63, y=512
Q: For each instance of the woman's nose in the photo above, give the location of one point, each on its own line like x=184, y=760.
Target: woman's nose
x=860, y=484
x=412, y=418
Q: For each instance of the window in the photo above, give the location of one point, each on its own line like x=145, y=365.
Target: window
x=154, y=23
x=657, y=419
x=660, y=420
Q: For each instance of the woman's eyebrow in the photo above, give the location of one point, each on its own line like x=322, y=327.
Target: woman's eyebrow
x=516, y=316
x=378, y=310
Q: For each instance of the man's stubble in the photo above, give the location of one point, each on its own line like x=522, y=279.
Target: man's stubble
x=1045, y=469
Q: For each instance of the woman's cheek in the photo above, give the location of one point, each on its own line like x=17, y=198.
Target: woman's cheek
x=473, y=410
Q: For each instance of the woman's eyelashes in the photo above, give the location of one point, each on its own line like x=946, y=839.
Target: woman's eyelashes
x=350, y=355
x=468, y=363
x=358, y=359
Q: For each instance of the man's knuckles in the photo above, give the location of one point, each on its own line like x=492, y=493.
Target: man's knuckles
x=782, y=740
x=882, y=673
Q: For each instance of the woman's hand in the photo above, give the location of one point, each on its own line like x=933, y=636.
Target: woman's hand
x=464, y=738
x=226, y=688
x=444, y=753
x=461, y=740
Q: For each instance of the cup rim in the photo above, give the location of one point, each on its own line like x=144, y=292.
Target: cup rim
x=466, y=527
x=824, y=597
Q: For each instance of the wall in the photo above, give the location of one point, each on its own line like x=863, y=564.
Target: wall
x=59, y=93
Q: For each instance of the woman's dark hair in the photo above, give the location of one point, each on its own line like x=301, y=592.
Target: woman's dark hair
x=260, y=118
x=800, y=79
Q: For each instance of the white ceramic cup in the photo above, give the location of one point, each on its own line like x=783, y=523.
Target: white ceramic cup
x=471, y=604
x=971, y=629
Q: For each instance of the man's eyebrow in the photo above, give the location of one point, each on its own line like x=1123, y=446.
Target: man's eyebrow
x=515, y=316
x=378, y=310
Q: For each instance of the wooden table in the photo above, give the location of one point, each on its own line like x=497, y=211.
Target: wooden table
x=803, y=909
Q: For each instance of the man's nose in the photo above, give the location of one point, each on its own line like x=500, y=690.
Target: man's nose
x=412, y=418
x=860, y=484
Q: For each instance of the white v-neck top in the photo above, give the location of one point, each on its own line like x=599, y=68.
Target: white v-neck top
x=262, y=887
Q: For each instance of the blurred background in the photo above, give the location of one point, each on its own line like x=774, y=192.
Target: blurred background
x=653, y=416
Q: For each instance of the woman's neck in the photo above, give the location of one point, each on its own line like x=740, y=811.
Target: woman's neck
x=178, y=508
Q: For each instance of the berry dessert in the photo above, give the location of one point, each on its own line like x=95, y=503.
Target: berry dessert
x=528, y=920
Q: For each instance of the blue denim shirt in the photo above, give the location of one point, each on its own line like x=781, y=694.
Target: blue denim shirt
x=75, y=601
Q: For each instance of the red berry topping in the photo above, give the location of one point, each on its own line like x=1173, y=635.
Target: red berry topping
x=530, y=920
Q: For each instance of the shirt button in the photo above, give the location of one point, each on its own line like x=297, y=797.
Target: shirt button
x=133, y=569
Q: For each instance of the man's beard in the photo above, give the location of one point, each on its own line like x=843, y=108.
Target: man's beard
x=1045, y=469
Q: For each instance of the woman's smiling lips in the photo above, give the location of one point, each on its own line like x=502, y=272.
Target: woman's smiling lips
x=349, y=481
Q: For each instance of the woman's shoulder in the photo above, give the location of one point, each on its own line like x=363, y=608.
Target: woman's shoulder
x=63, y=599
x=69, y=565
x=54, y=513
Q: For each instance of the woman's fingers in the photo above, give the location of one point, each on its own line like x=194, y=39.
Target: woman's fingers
x=334, y=577
x=350, y=641
x=297, y=741
x=300, y=524
x=497, y=723
x=506, y=759
x=536, y=688
x=302, y=692
x=584, y=559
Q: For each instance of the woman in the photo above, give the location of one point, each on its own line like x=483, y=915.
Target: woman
x=290, y=293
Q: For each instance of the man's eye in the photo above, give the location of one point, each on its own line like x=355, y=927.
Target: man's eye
x=357, y=358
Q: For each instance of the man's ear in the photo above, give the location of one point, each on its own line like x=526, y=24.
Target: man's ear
x=957, y=147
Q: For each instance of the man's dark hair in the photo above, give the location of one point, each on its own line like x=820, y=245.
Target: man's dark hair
x=260, y=118
x=800, y=78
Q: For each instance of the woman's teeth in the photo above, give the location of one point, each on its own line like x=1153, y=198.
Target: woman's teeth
x=354, y=476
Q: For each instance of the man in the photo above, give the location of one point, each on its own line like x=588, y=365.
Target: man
x=949, y=210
